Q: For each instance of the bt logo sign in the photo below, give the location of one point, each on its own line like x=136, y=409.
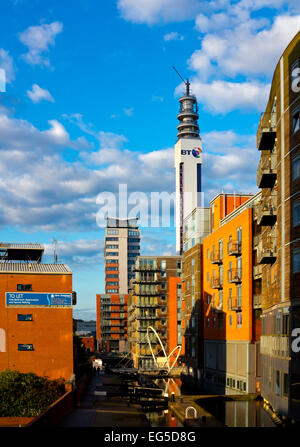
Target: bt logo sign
x=195, y=152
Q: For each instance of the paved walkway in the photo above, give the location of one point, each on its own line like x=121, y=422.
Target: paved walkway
x=100, y=411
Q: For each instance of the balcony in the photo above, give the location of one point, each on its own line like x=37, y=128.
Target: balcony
x=146, y=317
x=267, y=211
x=266, y=133
x=216, y=309
x=257, y=271
x=216, y=283
x=267, y=251
x=257, y=301
x=235, y=303
x=216, y=257
x=234, y=276
x=146, y=268
x=161, y=313
x=256, y=241
x=267, y=171
x=234, y=248
x=145, y=291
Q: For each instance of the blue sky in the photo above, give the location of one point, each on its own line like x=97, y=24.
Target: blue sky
x=91, y=102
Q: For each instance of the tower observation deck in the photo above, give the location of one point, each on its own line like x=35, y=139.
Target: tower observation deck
x=188, y=162
x=188, y=115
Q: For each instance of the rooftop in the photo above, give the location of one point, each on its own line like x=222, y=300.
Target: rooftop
x=116, y=222
x=21, y=252
x=28, y=267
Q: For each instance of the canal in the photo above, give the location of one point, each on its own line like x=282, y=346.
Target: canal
x=231, y=412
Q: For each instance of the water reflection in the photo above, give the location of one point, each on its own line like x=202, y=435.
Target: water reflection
x=163, y=418
x=238, y=413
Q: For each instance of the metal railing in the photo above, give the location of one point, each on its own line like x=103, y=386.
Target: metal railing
x=216, y=283
x=216, y=257
x=266, y=132
x=234, y=248
x=234, y=275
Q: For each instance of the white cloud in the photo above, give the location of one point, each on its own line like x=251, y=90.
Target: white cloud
x=154, y=11
x=38, y=94
x=225, y=96
x=128, y=111
x=7, y=64
x=172, y=36
x=38, y=40
x=231, y=52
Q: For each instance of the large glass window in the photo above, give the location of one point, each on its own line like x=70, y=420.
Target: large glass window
x=296, y=167
x=296, y=260
x=296, y=213
x=295, y=120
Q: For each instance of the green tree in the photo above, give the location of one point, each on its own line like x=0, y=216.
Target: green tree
x=26, y=394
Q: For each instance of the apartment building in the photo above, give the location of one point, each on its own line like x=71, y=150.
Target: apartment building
x=231, y=339
x=36, y=321
x=278, y=249
x=122, y=246
x=150, y=306
x=111, y=322
x=196, y=227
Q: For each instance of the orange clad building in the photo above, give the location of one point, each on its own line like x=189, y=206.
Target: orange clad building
x=36, y=321
x=176, y=322
x=231, y=345
x=111, y=322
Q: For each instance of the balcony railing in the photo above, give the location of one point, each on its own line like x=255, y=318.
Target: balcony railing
x=267, y=171
x=257, y=271
x=234, y=248
x=257, y=301
x=216, y=283
x=235, y=303
x=266, y=133
x=146, y=267
x=216, y=257
x=267, y=251
x=234, y=276
x=267, y=211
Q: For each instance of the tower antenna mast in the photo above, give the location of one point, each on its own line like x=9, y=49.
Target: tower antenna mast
x=187, y=83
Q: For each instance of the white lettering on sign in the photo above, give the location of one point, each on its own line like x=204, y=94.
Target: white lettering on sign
x=2, y=340
x=296, y=80
x=296, y=342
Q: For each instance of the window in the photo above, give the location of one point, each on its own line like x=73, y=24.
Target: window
x=221, y=299
x=112, y=239
x=112, y=231
x=24, y=287
x=207, y=321
x=296, y=260
x=207, y=276
x=296, y=213
x=277, y=389
x=112, y=261
x=207, y=254
x=296, y=167
x=285, y=324
x=25, y=317
x=112, y=268
x=112, y=246
x=214, y=321
x=239, y=319
x=230, y=320
x=295, y=120
x=133, y=233
x=285, y=384
x=112, y=253
x=25, y=347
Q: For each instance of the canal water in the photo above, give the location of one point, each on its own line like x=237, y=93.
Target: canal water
x=232, y=413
